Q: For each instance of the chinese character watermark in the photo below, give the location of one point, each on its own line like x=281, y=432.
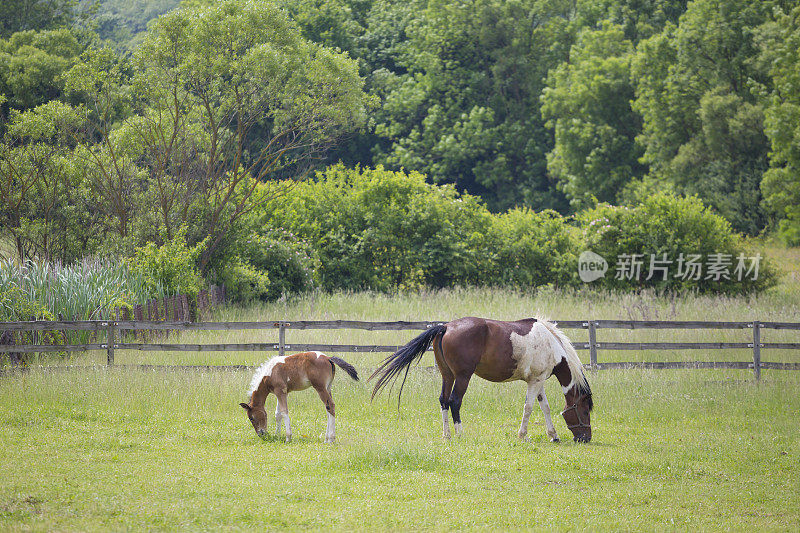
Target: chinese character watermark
x=687, y=267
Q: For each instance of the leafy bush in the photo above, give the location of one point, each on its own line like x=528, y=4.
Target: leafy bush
x=288, y=262
x=382, y=230
x=666, y=232
x=16, y=305
x=532, y=249
x=170, y=268
x=243, y=282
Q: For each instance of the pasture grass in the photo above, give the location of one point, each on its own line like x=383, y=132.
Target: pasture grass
x=98, y=450
x=120, y=449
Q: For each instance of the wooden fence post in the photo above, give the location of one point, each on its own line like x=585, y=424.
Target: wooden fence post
x=593, y=344
x=757, y=349
x=110, y=346
x=281, y=338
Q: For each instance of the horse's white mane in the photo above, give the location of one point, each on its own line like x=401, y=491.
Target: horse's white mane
x=262, y=371
x=573, y=361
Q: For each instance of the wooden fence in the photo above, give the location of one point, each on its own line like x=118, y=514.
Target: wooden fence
x=108, y=335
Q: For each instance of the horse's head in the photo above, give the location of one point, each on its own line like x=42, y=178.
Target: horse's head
x=577, y=413
x=258, y=417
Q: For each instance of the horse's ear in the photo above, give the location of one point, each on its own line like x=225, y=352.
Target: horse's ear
x=245, y=406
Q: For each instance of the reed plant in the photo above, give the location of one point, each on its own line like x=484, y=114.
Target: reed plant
x=85, y=290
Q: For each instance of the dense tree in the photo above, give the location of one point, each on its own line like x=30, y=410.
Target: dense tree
x=40, y=186
x=467, y=109
x=224, y=98
x=702, y=122
x=32, y=66
x=781, y=184
x=588, y=105
x=22, y=15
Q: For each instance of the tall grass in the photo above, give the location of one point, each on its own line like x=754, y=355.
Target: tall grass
x=85, y=290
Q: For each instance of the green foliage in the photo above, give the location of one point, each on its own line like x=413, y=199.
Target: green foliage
x=33, y=63
x=85, y=290
x=781, y=183
x=587, y=103
x=383, y=230
x=171, y=267
x=195, y=122
x=289, y=262
x=531, y=249
x=243, y=282
x=16, y=305
x=667, y=229
x=697, y=92
x=377, y=229
x=22, y=15
x=467, y=110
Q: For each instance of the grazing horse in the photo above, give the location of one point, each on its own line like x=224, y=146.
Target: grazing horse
x=530, y=350
x=288, y=373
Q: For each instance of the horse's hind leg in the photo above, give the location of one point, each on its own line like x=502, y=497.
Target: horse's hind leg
x=327, y=399
x=459, y=389
x=447, y=387
x=534, y=389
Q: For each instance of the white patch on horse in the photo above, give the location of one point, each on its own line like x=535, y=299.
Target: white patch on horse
x=535, y=353
x=319, y=354
x=265, y=370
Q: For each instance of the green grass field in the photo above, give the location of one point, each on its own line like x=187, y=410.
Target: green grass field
x=129, y=450
x=96, y=449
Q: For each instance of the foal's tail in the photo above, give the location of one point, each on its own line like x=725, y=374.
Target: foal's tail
x=402, y=359
x=344, y=365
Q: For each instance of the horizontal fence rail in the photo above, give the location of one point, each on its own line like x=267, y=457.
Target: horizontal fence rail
x=111, y=328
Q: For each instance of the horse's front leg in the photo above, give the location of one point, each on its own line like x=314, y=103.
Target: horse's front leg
x=278, y=418
x=551, y=430
x=283, y=407
x=534, y=389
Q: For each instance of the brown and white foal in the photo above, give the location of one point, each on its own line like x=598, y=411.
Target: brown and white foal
x=288, y=373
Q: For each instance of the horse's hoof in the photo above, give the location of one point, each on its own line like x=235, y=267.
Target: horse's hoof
x=523, y=436
x=556, y=440
x=288, y=438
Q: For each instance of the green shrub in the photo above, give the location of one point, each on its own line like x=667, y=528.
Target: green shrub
x=532, y=249
x=668, y=229
x=289, y=262
x=243, y=282
x=382, y=230
x=170, y=268
x=17, y=306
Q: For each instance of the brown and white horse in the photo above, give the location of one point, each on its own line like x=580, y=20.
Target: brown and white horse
x=288, y=373
x=529, y=350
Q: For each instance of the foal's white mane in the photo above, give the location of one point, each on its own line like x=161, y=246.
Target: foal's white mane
x=573, y=361
x=264, y=370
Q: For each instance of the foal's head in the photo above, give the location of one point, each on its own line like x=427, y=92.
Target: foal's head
x=577, y=413
x=258, y=417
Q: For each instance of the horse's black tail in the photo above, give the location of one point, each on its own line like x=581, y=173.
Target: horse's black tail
x=344, y=365
x=402, y=359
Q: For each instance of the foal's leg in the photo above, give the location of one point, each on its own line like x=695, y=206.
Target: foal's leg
x=551, y=430
x=283, y=407
x=278, y=418
x=327, y=399
x=459, y=389
x=534, y=388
